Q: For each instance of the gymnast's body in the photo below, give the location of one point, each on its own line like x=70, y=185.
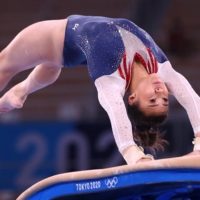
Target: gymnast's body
x=121, y=58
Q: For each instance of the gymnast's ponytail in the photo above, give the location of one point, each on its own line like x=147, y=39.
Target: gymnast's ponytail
x=145, y=132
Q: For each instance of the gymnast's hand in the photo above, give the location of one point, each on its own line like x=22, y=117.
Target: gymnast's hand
x=194, y=153
x=196, y=148
x=144, y=160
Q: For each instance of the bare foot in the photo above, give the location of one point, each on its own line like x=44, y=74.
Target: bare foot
x=10, y=101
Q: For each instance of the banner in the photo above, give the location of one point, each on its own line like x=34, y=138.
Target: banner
x=30, y=152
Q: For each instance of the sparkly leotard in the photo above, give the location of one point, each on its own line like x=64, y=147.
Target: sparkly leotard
x=108, y=47
x=98, y=42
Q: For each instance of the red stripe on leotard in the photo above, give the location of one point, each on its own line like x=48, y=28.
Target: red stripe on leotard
x=120, y=72
x=151, y=58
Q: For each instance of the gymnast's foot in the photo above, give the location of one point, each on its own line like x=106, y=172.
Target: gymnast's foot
x=11, y=100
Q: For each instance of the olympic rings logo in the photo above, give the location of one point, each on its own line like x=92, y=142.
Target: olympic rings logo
x=111, y=183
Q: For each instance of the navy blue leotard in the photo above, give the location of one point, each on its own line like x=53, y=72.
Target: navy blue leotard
x=109, y=47
x=97, y=43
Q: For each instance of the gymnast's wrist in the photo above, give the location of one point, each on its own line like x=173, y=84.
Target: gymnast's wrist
x=132, y=154
x=196, y=143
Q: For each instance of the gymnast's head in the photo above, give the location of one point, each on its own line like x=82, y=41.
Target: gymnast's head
x=147, y=107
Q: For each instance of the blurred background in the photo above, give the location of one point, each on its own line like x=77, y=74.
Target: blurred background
x=63, y=128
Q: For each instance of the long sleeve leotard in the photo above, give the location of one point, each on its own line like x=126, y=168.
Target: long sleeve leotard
x=108, y=47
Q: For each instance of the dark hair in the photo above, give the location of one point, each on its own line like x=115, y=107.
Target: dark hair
x=145, y=132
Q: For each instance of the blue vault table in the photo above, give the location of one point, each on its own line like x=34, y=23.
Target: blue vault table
x=175, y=178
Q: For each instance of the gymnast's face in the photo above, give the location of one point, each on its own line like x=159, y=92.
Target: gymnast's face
x=151, y=94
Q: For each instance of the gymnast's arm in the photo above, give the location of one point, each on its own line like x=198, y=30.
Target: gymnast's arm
x=111, y=90
x=186, y=96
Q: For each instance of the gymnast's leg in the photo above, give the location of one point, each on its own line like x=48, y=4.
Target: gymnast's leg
x=43, y=75
x=38, y=43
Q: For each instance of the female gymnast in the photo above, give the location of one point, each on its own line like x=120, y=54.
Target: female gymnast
x=121, y=58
